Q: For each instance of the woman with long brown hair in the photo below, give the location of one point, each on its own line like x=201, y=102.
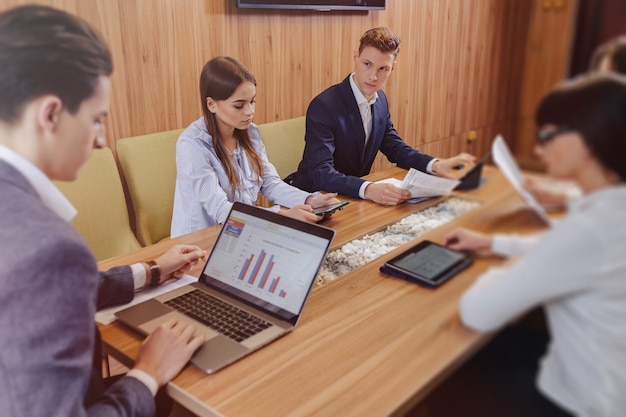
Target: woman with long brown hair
x=220, y=158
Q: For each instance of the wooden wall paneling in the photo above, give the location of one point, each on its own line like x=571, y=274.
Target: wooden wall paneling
x=547, y=51
x=460, y=78
x=482, y=51
x=409, y=70
x=451, y=83
x=196, y=42
x=471, y=72
x=503, y=75
x=464, y=64
x=434, y=108
x=490, y=64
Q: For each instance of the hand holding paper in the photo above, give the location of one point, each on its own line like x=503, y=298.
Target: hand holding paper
x=425, y=185
x=504, y=160
x=422, y=185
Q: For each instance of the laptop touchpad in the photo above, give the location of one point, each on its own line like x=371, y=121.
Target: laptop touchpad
x=151, y=325
x=217, y=353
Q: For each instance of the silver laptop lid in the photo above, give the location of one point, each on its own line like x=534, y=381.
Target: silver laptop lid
x=267, y=260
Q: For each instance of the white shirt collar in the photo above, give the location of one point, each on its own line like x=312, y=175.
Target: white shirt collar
x=49, y=194
x=360, y=98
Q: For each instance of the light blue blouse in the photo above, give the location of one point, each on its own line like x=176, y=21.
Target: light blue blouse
x=203, y=195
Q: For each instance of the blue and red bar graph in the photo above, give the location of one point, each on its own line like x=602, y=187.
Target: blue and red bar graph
x=267, y=271
x=275, y=282
x=254, y=273
x=257, y=266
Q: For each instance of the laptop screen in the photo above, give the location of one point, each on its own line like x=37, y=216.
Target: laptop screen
x=267, y=260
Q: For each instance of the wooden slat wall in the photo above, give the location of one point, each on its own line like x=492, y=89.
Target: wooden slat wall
x=464, y=65
x=547, y=54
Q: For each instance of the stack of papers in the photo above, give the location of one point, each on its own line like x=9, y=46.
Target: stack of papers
x=422, y=185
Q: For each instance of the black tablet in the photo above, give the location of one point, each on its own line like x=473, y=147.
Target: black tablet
x=428, y=264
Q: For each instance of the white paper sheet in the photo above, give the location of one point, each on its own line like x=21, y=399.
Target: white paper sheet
x=423, y=185
x=504, y=160
x=107, y=315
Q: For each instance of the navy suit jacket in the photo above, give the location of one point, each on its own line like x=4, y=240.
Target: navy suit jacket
x=50, y=288
x=335, y=154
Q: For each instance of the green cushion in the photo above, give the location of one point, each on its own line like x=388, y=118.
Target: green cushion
x=149, y=166
x=98, y=196
x=284, y=141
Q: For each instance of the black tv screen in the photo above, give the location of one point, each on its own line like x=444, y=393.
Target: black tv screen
x=313, y=4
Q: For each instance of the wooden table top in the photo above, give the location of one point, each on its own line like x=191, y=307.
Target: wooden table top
x=367, y=343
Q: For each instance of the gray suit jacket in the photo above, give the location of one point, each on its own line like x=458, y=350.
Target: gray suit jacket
x=49, y=290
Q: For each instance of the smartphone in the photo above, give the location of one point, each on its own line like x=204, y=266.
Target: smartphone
x=329, y=208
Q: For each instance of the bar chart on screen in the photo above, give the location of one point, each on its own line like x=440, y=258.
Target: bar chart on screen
x=252, y=275
x=271, y=273
x=270, y=262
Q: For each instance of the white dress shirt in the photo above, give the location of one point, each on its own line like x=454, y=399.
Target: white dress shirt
x=365, y=108
x=203, y=195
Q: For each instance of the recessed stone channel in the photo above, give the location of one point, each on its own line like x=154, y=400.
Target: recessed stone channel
x=365, y=249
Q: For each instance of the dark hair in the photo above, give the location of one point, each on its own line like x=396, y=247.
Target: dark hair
x=381, y=38
x=615, y=51
x=48, y=51
x=595, y=107
x=219, y=79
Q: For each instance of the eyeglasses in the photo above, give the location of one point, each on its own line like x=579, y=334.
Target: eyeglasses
x=545, y=136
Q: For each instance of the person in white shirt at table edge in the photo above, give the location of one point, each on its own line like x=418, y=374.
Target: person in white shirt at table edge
x=577, y=269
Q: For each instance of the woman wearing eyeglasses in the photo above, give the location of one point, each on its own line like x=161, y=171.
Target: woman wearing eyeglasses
x=608, y=57
x=576, y=271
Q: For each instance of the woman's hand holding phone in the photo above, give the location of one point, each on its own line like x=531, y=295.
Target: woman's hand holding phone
x=329, y=208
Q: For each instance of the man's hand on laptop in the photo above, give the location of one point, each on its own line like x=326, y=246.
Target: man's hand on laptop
x=167, y=350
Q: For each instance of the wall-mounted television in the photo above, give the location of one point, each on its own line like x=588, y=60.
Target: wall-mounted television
x=321, y=5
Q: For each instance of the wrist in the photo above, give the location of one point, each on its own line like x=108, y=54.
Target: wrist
x=366, y=191
x=146, y=378
x=433, y=167
x=310, y=200
x=362, y=189
x=153, y=277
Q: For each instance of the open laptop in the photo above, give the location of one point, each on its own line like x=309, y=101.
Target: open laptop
x=257, y=278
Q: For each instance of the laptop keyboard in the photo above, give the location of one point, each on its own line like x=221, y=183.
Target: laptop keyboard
x=218, y=315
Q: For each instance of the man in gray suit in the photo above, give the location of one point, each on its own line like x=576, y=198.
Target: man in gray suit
x=54, y=94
